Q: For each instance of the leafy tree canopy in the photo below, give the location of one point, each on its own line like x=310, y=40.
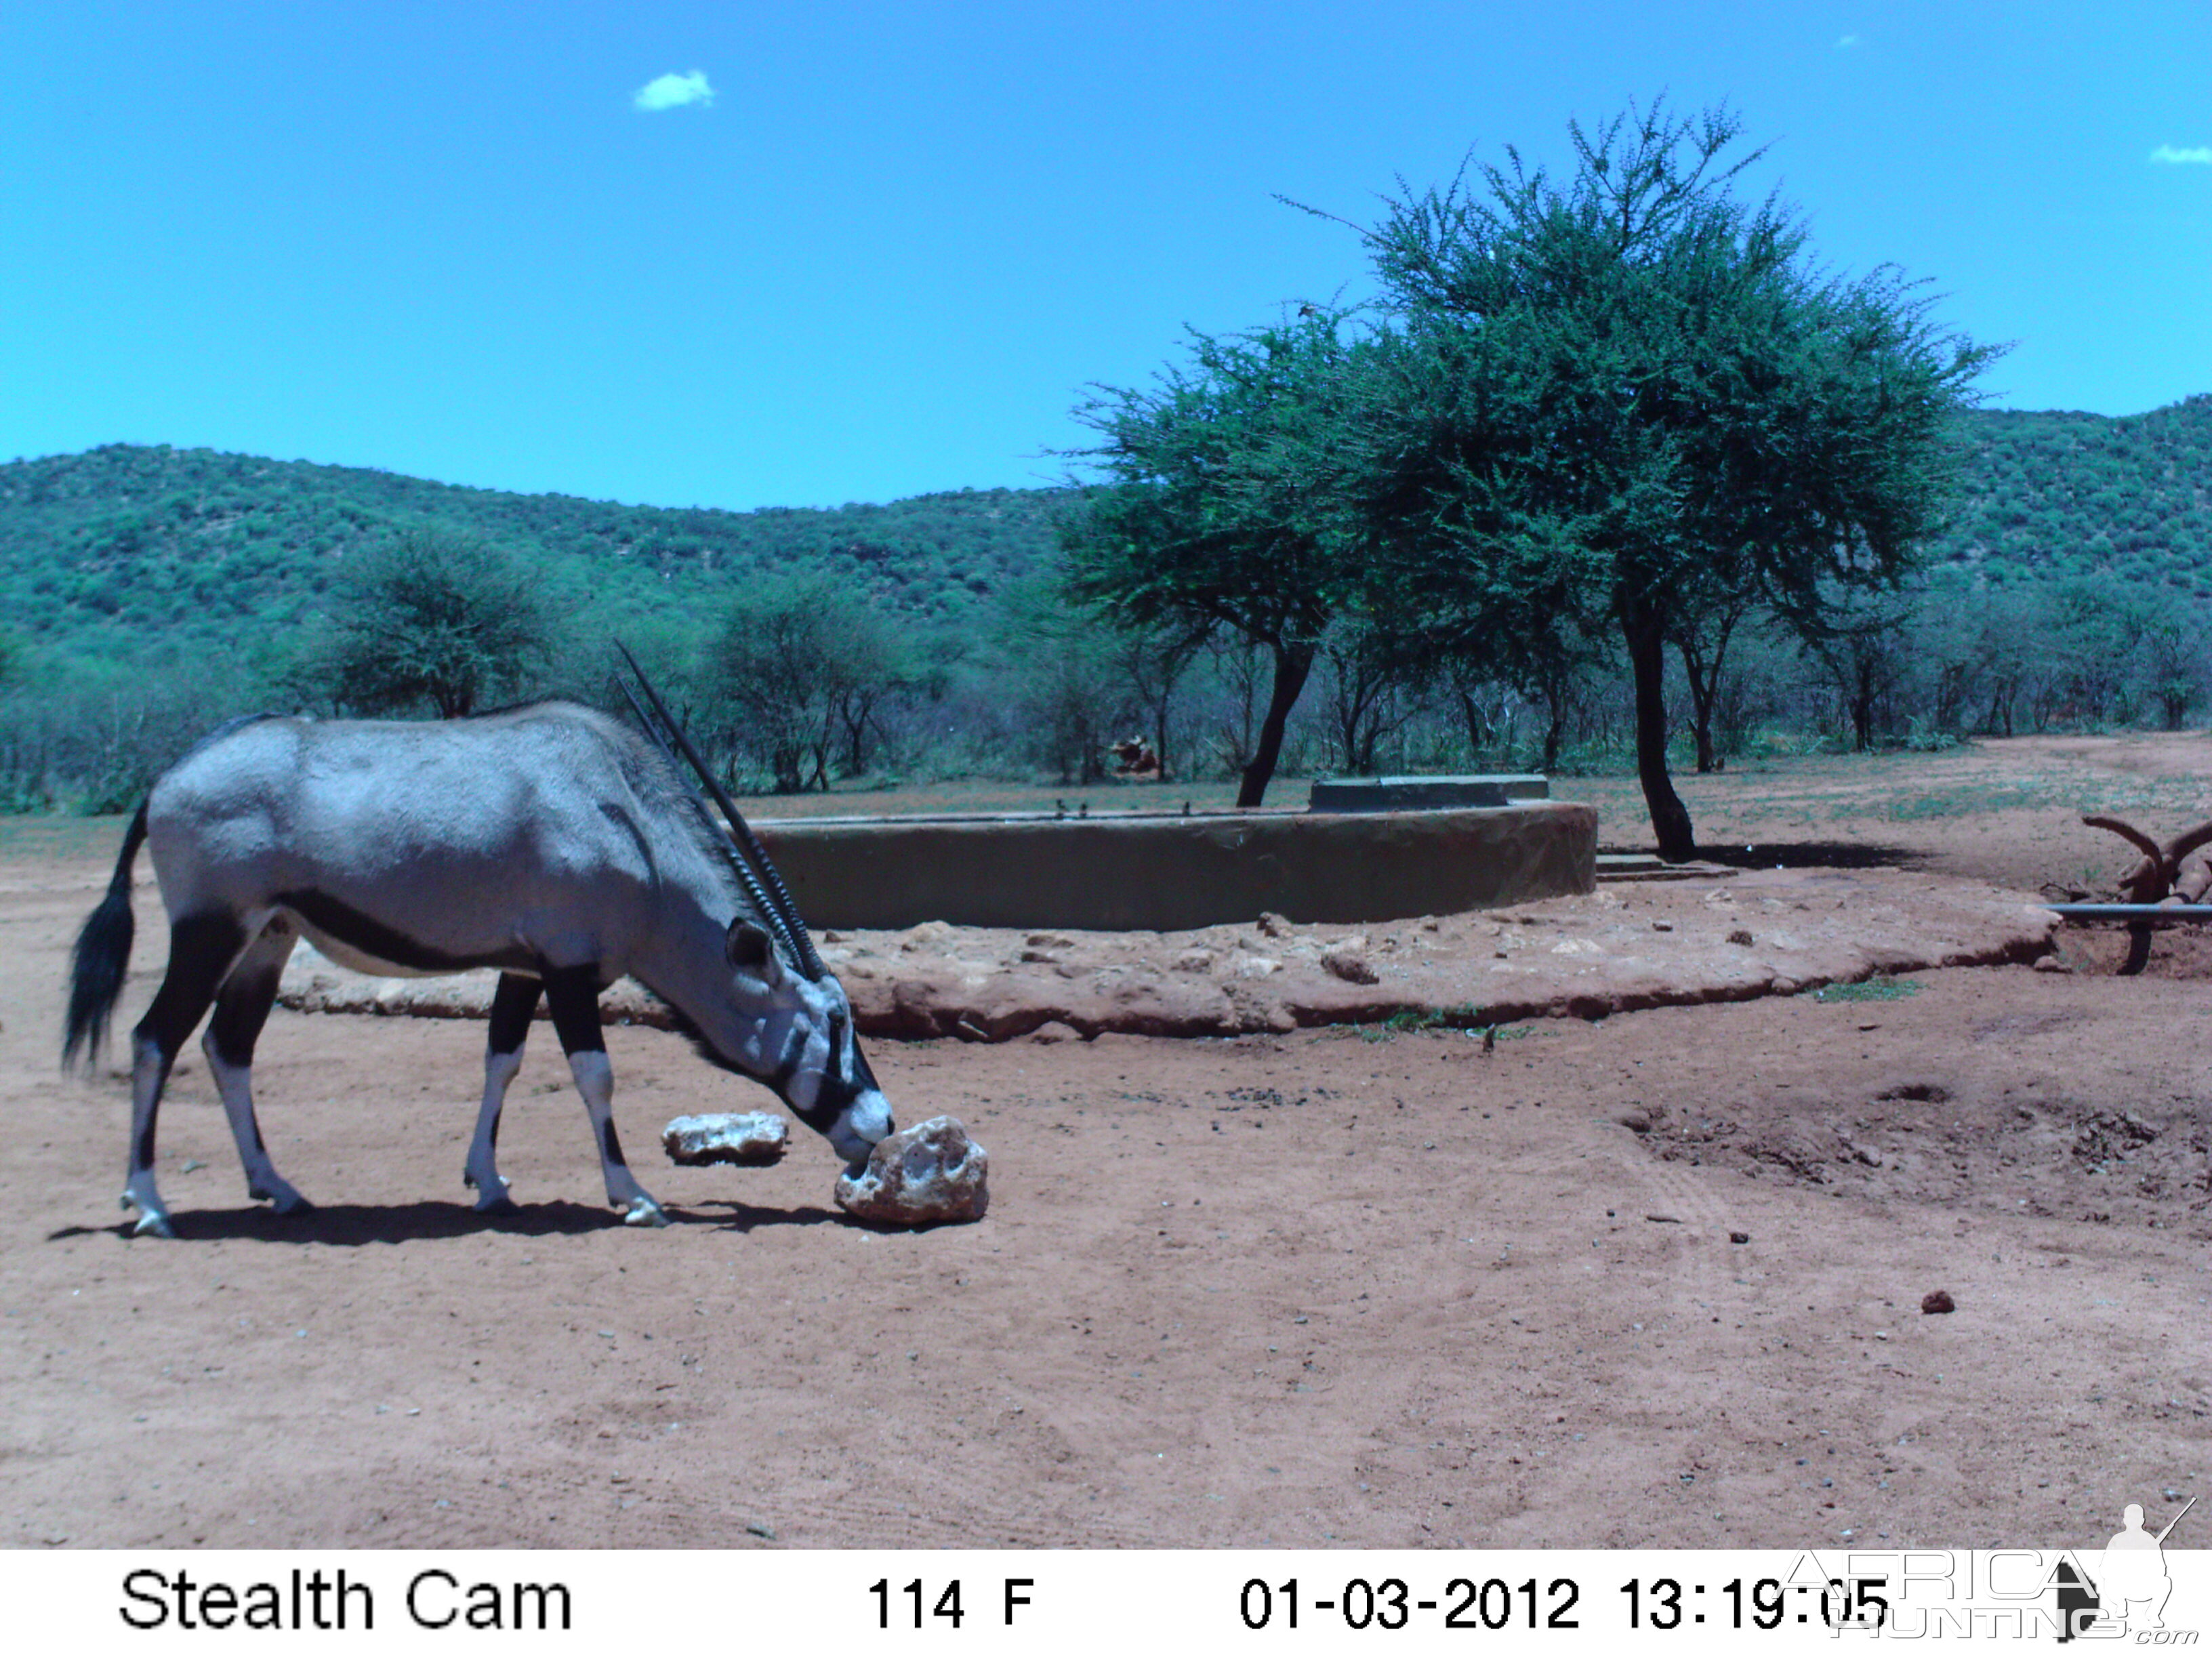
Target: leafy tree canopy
x=434, y=619
x=1630, y=397
x=1226, y=509
x=799, y=663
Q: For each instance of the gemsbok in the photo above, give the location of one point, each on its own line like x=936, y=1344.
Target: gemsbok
x=549, y=842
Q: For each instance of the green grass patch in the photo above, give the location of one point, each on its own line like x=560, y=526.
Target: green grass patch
x=1880, y=987
x=1464, y=1018
x=49, y=836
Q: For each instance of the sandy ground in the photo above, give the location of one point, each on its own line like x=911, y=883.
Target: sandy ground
x=1323, y=1286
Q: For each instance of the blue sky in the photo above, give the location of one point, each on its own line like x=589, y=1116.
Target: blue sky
x=740, y=255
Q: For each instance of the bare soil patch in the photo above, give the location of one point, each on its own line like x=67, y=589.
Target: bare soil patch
x=1334, y=1286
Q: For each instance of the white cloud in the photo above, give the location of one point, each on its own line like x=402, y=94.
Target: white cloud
x=2202, y=156
x=1848, y=40
x=674, y=91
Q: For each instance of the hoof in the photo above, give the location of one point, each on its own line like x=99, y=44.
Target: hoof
x=154, y=1225
x=498, y=1204
x=286, y=1202
x=644, y=1213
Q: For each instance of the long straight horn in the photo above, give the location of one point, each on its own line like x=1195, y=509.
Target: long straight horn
x=779, y=904
x=754, y=891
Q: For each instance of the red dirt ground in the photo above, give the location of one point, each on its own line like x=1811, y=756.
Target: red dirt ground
x=1323, y=1287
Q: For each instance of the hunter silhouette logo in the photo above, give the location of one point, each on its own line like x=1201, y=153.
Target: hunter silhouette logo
x=2131, y=1583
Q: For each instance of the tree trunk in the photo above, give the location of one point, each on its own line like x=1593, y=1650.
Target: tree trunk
x=1704, y=686
x=1647, y=657
x=1478, y=728
x=1292, y=664
x=1863, y=696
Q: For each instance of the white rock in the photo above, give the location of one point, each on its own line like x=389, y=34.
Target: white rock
x=727, y=1138
x=931, y=1172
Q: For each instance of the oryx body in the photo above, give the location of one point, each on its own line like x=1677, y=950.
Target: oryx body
x=550, y=842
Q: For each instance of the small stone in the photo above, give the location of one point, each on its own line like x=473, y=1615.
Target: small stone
x=1053, y=1031
x=1937, y=1301
x=1048, y=941
x=1739, y=936
x=727, y=1138
x=1274, y=927
x=1349, y=962
x=930, y=1173
x=1739, y=1238
x=760, y=1530
x=1197, y=960
x=1632, y=1119
x=2051, y=965
x=1661, y=926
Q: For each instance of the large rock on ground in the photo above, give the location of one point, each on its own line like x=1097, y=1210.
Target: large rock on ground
x=726, y=1138
x=930, y=1173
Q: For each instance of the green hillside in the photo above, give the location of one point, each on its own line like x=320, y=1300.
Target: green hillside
x=125, y=549
x=105, y=553
x=2052, y=495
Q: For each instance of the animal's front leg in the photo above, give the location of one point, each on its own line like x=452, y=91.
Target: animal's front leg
x=513, y=1005
x=572, y=997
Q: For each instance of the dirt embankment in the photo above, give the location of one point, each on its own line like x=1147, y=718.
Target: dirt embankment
x=1628, y=947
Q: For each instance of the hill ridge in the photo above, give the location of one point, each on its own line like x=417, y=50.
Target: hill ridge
x=106, y=551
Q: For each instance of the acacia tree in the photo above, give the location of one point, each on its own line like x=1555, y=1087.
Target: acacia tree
x=1627, y=391
x=1702, y=635
x=434, y=617
x=1373, y=690
x=1062, y=677
x=1225, y=511
x=800, y=662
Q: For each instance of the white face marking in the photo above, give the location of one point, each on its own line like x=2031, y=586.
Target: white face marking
x=795, y=1034
x=862, y=1124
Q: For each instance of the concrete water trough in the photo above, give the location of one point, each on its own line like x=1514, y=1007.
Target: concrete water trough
x=1165, y=871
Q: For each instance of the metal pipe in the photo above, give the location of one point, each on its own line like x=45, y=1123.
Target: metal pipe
x=2130, y=912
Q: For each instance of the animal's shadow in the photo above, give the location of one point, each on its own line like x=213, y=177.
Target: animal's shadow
x=1812, y=855
x=354, y=1224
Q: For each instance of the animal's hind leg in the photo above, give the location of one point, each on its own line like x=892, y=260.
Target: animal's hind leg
x=513, y=1005
x=572, y=998
x=241, y=1008
x=201, y=951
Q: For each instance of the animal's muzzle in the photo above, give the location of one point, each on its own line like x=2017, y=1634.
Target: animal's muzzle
x=862, y=1116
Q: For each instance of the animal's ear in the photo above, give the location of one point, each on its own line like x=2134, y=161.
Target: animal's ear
x=748, y=947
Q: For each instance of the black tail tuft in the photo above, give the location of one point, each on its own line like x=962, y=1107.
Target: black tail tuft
x=103, y=954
